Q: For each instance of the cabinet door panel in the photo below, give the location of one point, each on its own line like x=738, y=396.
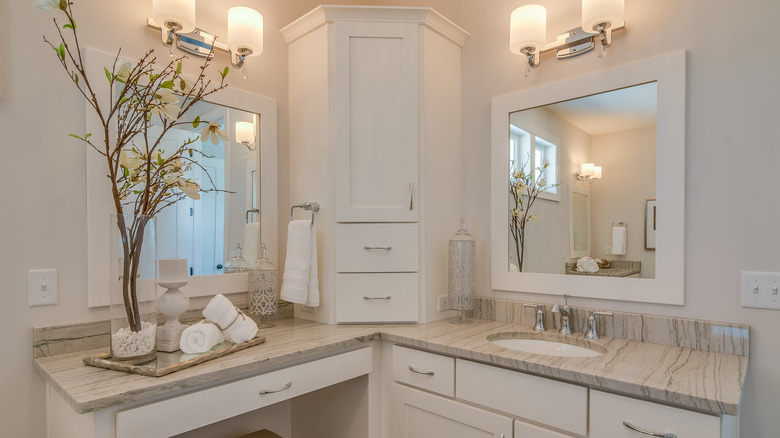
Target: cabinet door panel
x=376, y=122
x=418, y=414
x=609, y=411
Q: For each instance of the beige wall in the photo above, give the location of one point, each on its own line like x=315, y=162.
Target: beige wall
x=732, y=157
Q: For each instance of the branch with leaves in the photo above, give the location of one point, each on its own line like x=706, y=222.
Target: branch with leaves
x=524, y=188
x=144, y=178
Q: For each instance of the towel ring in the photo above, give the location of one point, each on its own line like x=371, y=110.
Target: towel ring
x=248, y=212
x=619, y=224
x=310, y=206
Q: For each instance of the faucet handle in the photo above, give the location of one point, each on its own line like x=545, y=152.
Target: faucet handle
x=539, y=325
x=593, y=332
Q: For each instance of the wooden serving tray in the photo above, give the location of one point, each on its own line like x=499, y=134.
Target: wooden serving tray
x=167, y=363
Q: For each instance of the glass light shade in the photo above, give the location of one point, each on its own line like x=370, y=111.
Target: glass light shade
x=527, y=28
x=245, y=30
x=597, y=172
x=588, y=169
x=245, y=132
x=601, y=11
x=179, y=11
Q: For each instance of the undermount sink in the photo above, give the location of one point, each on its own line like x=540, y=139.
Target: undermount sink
x=544, y=347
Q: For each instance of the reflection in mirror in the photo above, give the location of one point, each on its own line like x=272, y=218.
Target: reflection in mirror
x=617, y=130
x=662, y=157
x=204, y=231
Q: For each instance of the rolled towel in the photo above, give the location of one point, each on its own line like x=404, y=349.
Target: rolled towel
x=200, y=337
x=251, y=242
x=619, y=240
x=236, y=326
x=587, y=264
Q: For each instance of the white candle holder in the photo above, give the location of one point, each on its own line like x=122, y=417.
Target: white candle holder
x=171, y=304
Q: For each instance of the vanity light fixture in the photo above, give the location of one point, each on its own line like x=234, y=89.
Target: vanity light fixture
x=176, y=21
x=588, y=172
x=245, y=134
x=528, y=27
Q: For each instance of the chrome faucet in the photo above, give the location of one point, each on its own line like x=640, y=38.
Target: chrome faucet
x=565, y=312
x=539, y=326
x=593, y=330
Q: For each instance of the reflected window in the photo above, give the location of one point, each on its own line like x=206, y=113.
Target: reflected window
x=529, y=152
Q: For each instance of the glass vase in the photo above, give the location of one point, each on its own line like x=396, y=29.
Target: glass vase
x=133, y=288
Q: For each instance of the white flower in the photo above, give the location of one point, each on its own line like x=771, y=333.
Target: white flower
x=166, y=96
x=213, y=133
x=130, y=161
x=533, y=218
x=542, y=182
x=516, y=212
x=183, y=85
x=47, y=4
x=187, y=187
x=123, y=72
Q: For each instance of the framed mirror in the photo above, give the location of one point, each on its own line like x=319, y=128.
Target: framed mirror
x=206, y=231
x=552, y=244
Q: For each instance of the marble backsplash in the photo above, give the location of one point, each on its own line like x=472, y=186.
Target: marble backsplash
x=719, y=337
x=69, y=338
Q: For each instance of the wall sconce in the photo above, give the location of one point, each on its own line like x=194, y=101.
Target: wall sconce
x=527, y=31
x=176, y=21
x=588, y=172
x=245, y=134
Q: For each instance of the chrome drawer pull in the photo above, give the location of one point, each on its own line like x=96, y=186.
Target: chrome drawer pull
x=661, y=435
x=411, y=202
x=376, y=298
x=384, y=248
x=273, y=391
x=424, y=373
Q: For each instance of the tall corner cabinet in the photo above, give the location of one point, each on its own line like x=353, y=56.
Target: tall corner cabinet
x=375, y=138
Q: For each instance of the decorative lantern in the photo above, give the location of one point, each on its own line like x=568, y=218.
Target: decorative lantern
x=462, y=269
x=262, y=289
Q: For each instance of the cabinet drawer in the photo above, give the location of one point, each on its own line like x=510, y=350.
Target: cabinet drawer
x=526, y=430
x=377, y=297
x=609, y=411
x=524, y=395
x=190, y=411
x=428, y=371
x=377, y=248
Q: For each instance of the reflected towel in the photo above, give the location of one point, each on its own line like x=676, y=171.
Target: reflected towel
x=251, y=242
x=619, y=240
x=236, y=326
x=299, y=283
x=200, y=337
x=587, y=264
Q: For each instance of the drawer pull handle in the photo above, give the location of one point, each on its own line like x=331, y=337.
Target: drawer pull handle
x=424, y=373
x=273, y=391
x=376, y=298
x=411, y=202
x=383, y=248
x=661, y=435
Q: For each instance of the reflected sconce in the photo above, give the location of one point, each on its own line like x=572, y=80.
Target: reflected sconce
x=527, y=31
x=245, y=134
x=176, y=21
x=588, y=172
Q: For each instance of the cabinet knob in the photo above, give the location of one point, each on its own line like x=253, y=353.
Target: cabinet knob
x=660, y=435
x=272, y=391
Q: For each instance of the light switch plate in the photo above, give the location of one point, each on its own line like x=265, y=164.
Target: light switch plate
x=43, y=287
x=760, y=289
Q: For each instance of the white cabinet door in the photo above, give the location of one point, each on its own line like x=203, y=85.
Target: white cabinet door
x=376, y=103
x=419, y=414
x=608, y=412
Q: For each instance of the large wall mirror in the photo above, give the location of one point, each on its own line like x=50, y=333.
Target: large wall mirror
x=630, y=121
x=204, y=231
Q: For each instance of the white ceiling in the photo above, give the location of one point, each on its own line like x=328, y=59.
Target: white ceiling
x=626, y=109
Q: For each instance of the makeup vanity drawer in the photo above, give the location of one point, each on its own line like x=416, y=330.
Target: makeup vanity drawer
x=190, y=411
x=609, y=411
x=377, y=247
x=428, y=371
x=381, y=297
x=524, y=395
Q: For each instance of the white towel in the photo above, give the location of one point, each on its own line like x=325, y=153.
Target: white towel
x=587, y=264
x=236, y=326
x=200, y=337
x=299, y=283
x=619, y=240
x=251, y=238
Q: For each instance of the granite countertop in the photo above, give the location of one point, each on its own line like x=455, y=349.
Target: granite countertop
x=705, y=381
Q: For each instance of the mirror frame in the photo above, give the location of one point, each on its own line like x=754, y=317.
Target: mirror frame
x=99, y=202
x=668, y=286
